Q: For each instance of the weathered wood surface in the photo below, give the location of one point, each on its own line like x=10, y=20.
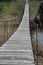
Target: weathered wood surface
x=18, y=50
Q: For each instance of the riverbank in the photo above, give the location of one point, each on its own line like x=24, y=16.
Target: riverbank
x=38, y=54
x=37, y=43
x=11, y=14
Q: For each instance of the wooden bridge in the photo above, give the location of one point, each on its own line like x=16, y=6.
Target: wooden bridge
x=18, y=49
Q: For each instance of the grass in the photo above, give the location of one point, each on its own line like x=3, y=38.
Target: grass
x=12, y=7
x=34, y=5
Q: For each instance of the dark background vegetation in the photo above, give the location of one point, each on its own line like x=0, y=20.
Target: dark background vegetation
x=9, y=0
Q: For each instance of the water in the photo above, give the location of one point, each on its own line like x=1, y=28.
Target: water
x=40, y=37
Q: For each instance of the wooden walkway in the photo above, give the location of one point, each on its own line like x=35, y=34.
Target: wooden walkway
x=18, y=50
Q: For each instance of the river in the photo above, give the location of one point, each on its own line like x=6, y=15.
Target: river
x=40, y=37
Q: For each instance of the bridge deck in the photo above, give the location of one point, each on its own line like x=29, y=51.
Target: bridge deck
x=18, y=50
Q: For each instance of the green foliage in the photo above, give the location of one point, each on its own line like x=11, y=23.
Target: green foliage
x=10, y=0
x=34, y=5
x=11, y=7
x=5, y=0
